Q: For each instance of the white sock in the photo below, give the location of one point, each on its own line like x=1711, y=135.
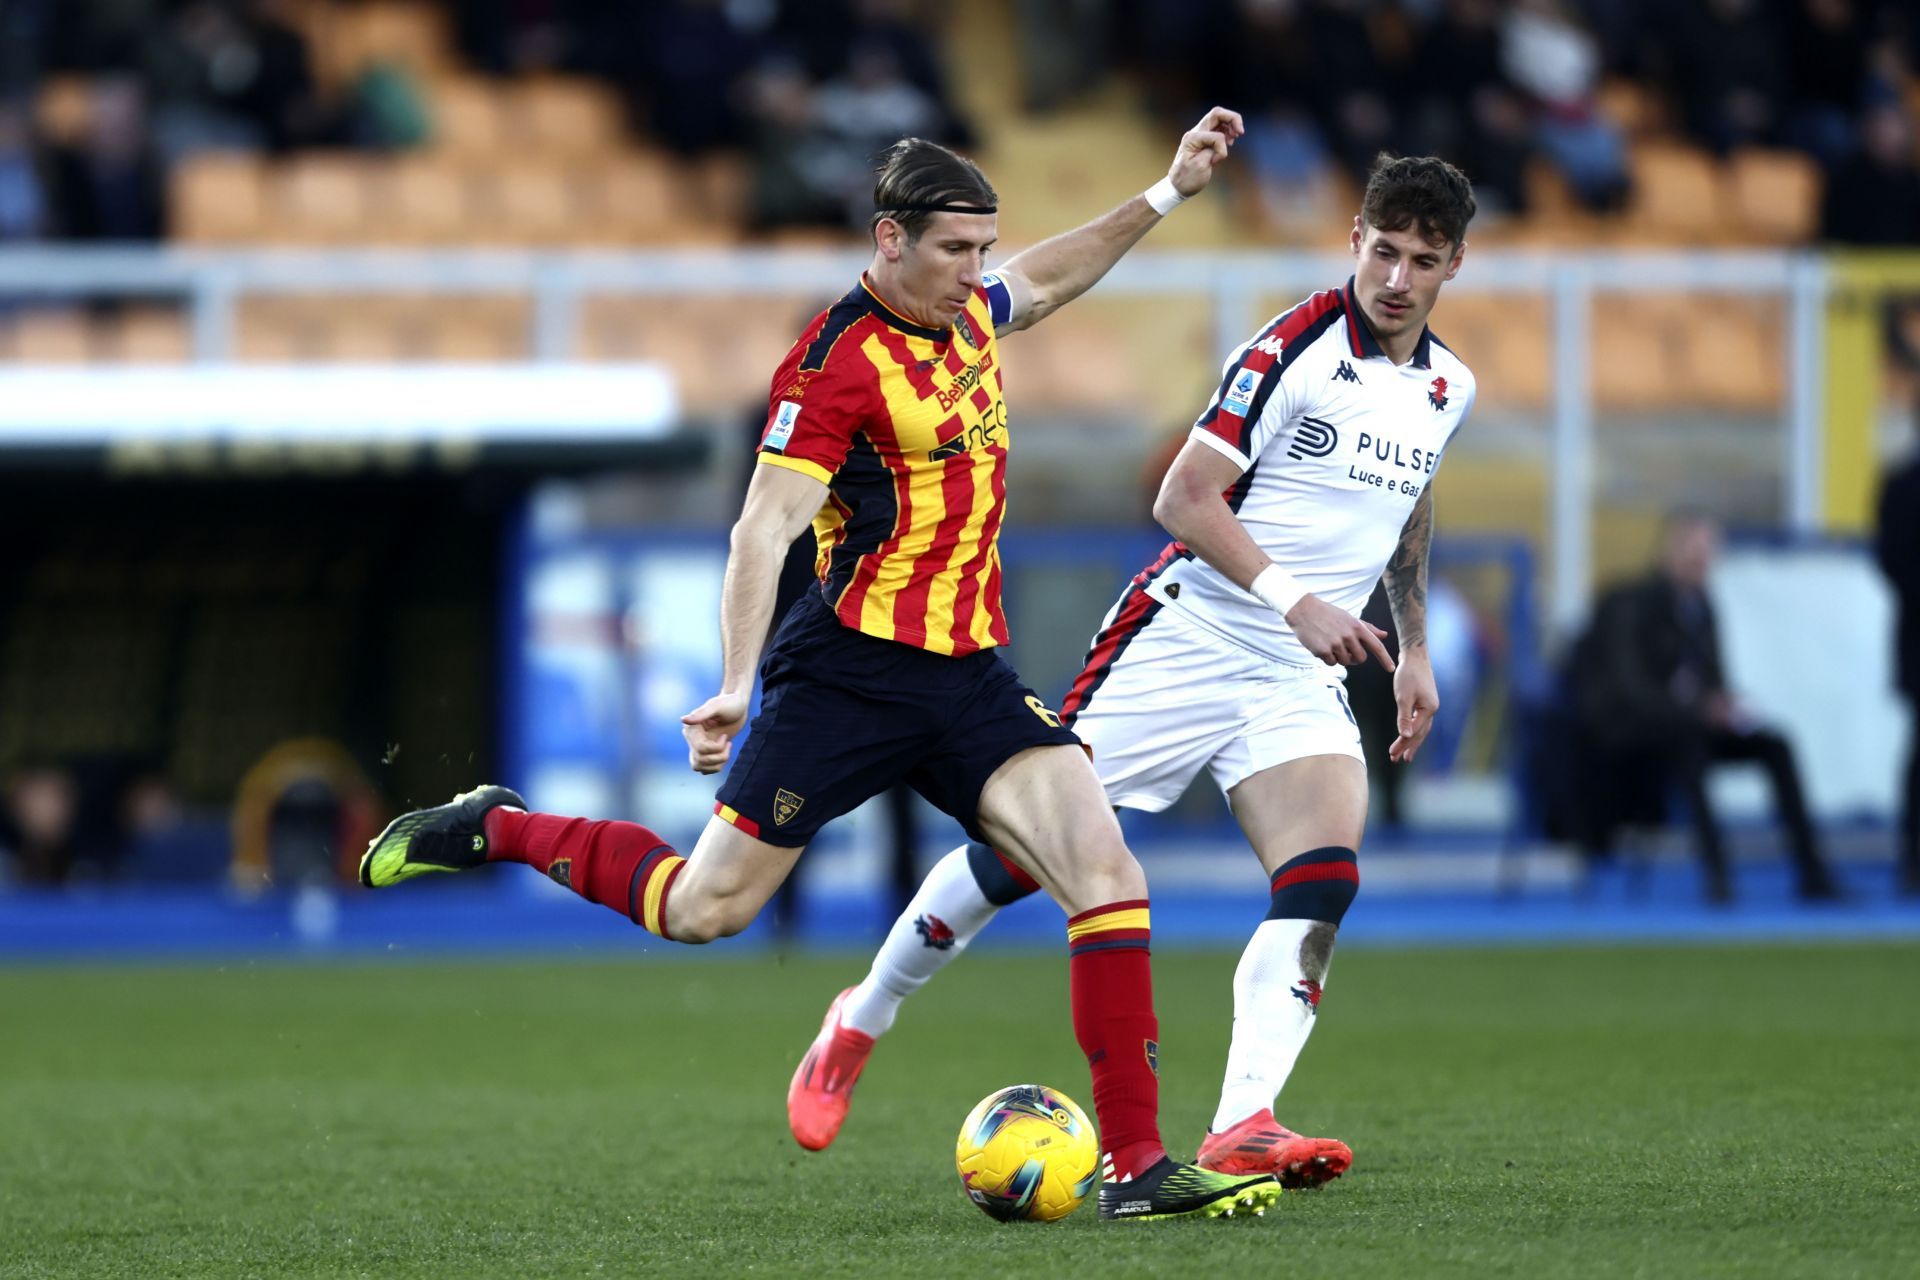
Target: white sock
x=1274, y=1009
x=930, y=934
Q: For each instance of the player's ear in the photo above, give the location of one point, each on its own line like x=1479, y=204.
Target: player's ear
x=890, y=238
x=1359, y=234
x=1459, y=253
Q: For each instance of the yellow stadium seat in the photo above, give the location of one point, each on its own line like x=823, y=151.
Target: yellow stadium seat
x=48, y=337
x=1633, y=359
x=218, y=198
x=636, y=199
x=1776, y=195
x=565, y=117
x=322, y=199
x=1677, y=194
x=1732, y=355
x=467, y=117
x=477, y=328
x=147, y=335
x=425, y=200
x=528, y=204
x=351, y=38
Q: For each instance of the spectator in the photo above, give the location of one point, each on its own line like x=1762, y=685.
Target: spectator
x=1549, y=56
x=227, y=74
x=1897, y=546
x=1826, y=42
x=1468, y=110
x=1874, y=198
x=1729, y=73
x=37, y=823
x=1651, y=699
x=23, y=193
x=108, y=185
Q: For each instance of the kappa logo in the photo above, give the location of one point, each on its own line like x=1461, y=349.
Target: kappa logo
x=1307, y=992
x=1269, y=345
x=934, y=932
x=1313, y=439
x=782, y=429
x=785, y=805
x=1437, y=394
x=1345, y=373
x=561, y=872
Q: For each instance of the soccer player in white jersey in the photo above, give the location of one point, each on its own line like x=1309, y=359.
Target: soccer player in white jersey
x=1305, y=482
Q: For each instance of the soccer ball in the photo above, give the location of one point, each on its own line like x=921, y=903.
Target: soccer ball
x=1027, y=1152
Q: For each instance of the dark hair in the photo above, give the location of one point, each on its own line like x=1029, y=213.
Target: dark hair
x=915, y=171
x=1422, y=192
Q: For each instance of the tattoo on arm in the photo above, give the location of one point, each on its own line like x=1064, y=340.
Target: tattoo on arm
x=1406, y=575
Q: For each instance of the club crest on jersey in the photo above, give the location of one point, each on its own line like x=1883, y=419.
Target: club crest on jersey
x=785, y=805
x=934, y=932
x=1437, y=393
x=967, y=331
x=782, y=429
x=1240, y=394
x=1307, y=992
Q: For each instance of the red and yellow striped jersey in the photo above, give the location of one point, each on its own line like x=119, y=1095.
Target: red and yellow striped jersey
x=907, y=427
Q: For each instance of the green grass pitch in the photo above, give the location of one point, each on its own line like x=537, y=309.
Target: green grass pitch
x=1651, y=1112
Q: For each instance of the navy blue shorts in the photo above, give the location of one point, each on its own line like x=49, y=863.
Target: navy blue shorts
x=845, y=715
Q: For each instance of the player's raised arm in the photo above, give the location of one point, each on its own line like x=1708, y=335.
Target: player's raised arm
x=780, y=504
x=1054, y=272
x=1414, y=692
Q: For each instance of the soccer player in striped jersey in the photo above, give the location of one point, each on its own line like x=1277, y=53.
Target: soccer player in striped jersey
x=887, y=431
x=1304, y=481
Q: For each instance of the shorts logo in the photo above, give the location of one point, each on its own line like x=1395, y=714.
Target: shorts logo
x=1307, y=992
x=1039, y=708
x=1153, y=1057
x=785, y=805
x=782, y=429
x=1313, y=439
x=1240, y=394
x=934, y=932
x=561, y=872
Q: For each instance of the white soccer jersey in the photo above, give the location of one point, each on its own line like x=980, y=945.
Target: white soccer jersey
x=1336, y=443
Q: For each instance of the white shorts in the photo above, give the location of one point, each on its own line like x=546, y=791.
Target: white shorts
x=1175, y=697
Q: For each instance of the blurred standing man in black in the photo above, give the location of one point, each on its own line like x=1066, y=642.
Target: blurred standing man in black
x=1896, y=544
x=1650, y=686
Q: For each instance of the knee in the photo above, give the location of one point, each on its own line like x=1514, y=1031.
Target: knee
x=1107, y=871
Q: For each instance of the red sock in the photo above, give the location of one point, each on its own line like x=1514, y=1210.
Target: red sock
x=1111, y=979
x=621, y=865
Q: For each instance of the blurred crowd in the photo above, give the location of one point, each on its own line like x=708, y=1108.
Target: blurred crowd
x=808, y=90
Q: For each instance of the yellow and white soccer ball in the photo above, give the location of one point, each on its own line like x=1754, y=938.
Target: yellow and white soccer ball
x=1027, y=1152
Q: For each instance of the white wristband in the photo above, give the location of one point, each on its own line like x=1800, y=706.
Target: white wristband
x=1163, y=197
x=1277, y=589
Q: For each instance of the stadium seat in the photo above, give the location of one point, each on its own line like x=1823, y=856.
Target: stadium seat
x=1677, y=194
x=1732, y=356
x=565, y=117
x=1633, y=356
x=353, y=37
x=47, y=337
x=527, y=203
x=635, y=199
x=322, y=198
x=424, y=200
x=477, y=328
x=467, y=117
x=1775, y=195
x=218, y=198
x=146, y=335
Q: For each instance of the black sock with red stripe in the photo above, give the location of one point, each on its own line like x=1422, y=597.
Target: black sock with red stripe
x=621, y=865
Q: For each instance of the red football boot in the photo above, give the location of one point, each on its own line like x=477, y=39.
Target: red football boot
x=822, y=1087
x=1261, y=1144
